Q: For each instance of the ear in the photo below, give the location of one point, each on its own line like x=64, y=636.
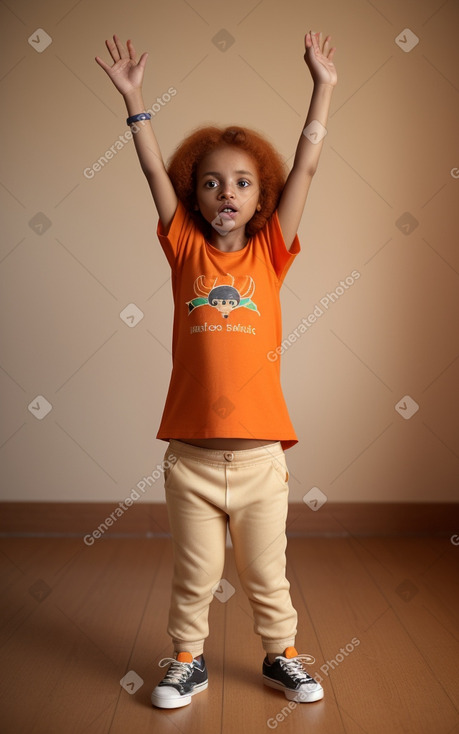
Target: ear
x=258, y=207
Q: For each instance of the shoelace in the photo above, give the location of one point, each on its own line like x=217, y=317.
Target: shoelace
x=178, y=672
x=294, y=667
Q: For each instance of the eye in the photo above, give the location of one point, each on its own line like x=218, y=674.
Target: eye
x=210, y=184
x=244, y=183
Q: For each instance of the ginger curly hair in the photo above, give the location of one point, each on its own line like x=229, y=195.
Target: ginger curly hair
x=183, y=165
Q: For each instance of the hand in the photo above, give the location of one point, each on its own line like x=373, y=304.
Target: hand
x=320, y=61
x=126, y=73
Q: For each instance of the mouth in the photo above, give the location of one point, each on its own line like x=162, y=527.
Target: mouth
x=227, y=211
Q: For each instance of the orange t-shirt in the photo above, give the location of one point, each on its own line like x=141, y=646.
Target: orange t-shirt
x=225, y=380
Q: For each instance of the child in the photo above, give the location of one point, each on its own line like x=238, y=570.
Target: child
x=228, y=224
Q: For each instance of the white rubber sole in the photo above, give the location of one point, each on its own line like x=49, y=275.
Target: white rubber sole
x=297, y=696
x=171, y=701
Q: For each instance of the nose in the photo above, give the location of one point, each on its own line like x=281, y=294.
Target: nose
x=227, y=192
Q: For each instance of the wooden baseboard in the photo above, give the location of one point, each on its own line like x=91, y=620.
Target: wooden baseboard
x=142, y=519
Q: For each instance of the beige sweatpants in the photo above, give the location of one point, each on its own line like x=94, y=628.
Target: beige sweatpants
x=247, y=490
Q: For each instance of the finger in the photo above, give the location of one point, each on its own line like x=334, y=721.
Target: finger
x=331, y=53
x=315, y=42
x=312, y=39
x=102, y=63
x=113, y=50
x=120, y=46
x=131, y=49
x=326, y=45
x=307, y=40
x=143, y=60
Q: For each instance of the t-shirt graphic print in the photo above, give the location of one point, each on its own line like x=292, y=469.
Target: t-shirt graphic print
x=221, y=293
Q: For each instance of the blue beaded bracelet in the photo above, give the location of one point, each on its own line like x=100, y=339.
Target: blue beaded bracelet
x=136, y=118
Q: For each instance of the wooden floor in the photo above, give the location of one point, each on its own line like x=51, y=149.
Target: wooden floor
x=76, y=619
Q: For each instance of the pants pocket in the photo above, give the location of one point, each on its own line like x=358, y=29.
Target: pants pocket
x=170, y=463
x=279, y=465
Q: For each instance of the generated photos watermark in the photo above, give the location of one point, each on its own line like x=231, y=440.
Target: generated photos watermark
x=223, y=590
x=307, y=321
x=274, y=721
x=142, y=485
x=315, y=498
x=407, y=407
x=122, y=140
x=315, y=132
x=131, y=682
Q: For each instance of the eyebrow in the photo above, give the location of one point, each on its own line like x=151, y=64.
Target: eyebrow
x=217, y=173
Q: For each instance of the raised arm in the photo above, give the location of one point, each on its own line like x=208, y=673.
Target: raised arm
x=320, y=63
x=127, y=76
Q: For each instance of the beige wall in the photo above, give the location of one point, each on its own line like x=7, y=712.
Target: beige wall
x=391, y=148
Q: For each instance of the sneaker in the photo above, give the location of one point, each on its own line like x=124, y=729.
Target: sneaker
x=185, y=677
x=287, y=674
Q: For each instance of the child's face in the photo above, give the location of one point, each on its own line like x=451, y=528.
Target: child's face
x=227, y=178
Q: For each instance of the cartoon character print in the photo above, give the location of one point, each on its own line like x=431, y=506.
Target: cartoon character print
x=221, y=293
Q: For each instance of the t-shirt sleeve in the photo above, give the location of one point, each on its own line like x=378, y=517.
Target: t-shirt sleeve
x=172, y=238
x=281, y=256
